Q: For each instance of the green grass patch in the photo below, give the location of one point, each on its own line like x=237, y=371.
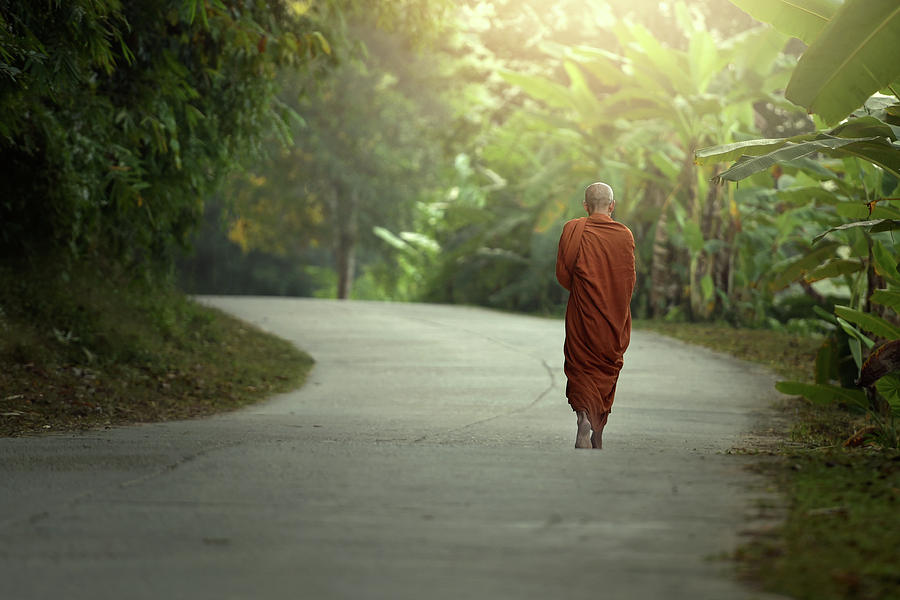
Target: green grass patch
x=839, y=540
x=99, y=348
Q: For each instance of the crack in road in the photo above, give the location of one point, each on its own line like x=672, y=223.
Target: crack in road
x=508, y=346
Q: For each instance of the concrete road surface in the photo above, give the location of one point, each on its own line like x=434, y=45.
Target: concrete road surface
x=430, y=455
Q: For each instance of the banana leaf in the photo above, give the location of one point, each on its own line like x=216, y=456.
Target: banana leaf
x=866, y=126
x=834, y=268
x=879, y=152
x=804, y=195
x=875, y=226
x=868, y=322
x=554, y=94
x=821, y=393
x=885, y=262
x=888, y=298
x=851, y=59
x=802, y=265
x=748, y=165
x=804, y=19
x=729, y=152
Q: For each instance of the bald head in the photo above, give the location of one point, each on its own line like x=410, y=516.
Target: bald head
x=598, y=198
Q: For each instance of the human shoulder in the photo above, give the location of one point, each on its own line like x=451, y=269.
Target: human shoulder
x=570, y=225
x=623, y=228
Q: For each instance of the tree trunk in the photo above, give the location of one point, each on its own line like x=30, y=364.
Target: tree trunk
x=660, y=271
x=706, y=264
x=345, y=242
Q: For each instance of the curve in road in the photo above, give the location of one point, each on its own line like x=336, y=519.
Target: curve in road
x=429, y=454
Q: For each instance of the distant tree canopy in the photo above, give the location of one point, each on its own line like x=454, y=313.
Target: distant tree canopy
x=117, y=119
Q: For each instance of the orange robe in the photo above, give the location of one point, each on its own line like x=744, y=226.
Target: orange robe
x=598, y=315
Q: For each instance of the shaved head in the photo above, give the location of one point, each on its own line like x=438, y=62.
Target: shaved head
x=598, y=197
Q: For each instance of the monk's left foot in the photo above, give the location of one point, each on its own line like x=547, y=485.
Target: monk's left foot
x=583, y=437
x=597, y=441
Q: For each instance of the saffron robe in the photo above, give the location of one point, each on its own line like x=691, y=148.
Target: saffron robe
x=598, y=314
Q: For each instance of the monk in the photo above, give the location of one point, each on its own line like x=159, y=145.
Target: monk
x=596, y=264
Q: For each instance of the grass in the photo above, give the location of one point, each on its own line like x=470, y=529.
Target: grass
x=100, y=349
x=840, y=539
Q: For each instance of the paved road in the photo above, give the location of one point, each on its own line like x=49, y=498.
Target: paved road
x=430, y=455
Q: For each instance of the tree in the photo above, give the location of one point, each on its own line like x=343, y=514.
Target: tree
x=850, y=57
x=682, y=98
x=117, y=119
x=368, y=146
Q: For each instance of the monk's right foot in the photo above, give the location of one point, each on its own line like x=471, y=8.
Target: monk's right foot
x=583, y=437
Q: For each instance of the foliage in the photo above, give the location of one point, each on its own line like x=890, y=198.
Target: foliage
x=833, y=543
x=108, y=349
x=683, y=97
x=219, y=265
x=861, y=184
x=116, y=119
x=362, y=158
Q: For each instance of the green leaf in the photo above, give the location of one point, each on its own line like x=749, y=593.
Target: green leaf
x=852, y=58
x=820, y=393
x=868, y=322
x=875, y=226
x=693, y=237
x=855, y=345
x=730, y=152
x=747, y=166
x=420, y=241
x=323, y=42
x=390, y=238
x=867, y=126
x=888, y=298
x=603, y=65
x=585, y=101
x=855, y=340
x=804, y=19
x=826, y=359
x=805, y=195
x=550, y=92
x=884, y=261
x=803, y=264
x=707, y=287
x=889, y=387
x=834, y=268
x=878, y=152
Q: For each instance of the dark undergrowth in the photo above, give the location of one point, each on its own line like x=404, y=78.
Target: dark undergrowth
x=839, y=539
x=99, y=348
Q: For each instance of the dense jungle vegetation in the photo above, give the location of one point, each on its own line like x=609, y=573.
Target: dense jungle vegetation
x=441, y=167
x=431, y=150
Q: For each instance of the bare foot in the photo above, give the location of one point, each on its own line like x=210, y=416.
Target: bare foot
x=583, y=437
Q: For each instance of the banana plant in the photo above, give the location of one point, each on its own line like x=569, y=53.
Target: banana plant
x=683, y=99
x=873, y=135
x=851, y=55
x=877, y=383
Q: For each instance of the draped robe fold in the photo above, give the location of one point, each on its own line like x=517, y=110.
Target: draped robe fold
x=598, y=314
